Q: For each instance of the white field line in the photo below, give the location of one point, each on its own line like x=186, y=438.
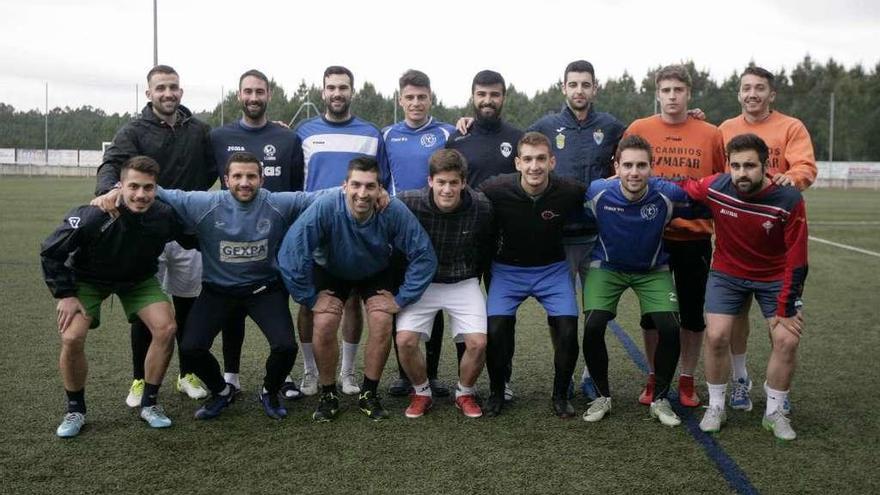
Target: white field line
x=845, y=246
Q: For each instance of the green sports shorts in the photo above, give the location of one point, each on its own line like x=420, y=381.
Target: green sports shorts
x=133, y=300
x=655, y=290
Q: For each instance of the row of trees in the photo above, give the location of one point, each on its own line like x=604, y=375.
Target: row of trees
x=806, y=92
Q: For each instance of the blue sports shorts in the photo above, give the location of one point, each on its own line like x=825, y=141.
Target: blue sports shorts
x=549, y=284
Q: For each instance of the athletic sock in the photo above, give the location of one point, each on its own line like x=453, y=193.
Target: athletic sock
x=349, y=352
x=308, y=352
x=369, y=385
x=226, y=391
x=423, y=389
x=775, y=399
x=461, y=390
x=586, y=374
x=328, y=389
x=716, y=394
x=150, y=393
x=233, y=379
x=739, y=367
x=76, y=401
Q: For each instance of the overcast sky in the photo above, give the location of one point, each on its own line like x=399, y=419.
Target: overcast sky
x=95, y=52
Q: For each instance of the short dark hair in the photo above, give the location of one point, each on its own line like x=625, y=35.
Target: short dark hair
x=634, y=142
x=415, y=78
x=254, y=73
x=760, y=72
x=677, y=72
x=161, y=69
x=746, y=142
x=337, y=69
x=142, y=164
x=579, y=66
x=488, y=78
x=448, y=160
x=533, y=138
x=363, y=164
x=243, y=157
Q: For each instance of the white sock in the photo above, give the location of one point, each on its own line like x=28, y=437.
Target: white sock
x=586, y=374
x=716, y=394
x=232, y=378
x=423, y=389
x=739, y=367
x=308, y=352
x=775, y=399
x=462, y=390
x=349, y=352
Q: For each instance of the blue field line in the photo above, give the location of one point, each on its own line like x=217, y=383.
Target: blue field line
x=735, y=476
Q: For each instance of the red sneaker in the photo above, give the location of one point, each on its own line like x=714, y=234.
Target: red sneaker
x=687, y=395
x=418, y=406
x=468, y=406
x=647, y=395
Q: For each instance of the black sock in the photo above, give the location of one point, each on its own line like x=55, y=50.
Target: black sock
x=150, y=393
x=76, y=401
x=328, y=389
x=369, y=385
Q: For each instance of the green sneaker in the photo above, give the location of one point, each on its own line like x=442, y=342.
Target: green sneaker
x=371, y=406
x=598, y=409
x=662, y=410
x=780, y=425
x=135, y=393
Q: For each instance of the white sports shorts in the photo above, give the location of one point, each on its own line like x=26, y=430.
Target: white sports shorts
x=463, y=301
x=180, y=271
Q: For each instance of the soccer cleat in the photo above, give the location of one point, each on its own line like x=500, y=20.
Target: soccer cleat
x=662, y=410
x=588, y=388
x=562, y=408
x=370, y=405
x=687, y=394
x=327, y=409
x=190, y=385
x=155, y=416
x=309, y=384
x=135, y=393
x=713, y=419
x=290, y=390
x=400, y=387
x=438, y=388
x=494, y=405
x=598, y=409
x=418, y=406
x=739, y=397
x=272, y=406
x=468, y=406
x=215, y=405
x=647, y=395
x=349, y=383
x=508, y=392
x=779, y=424
x=71, y=425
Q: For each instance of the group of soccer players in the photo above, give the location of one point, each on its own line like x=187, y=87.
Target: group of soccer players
x=405, y=223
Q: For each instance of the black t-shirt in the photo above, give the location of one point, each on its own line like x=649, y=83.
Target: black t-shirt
x=490, y=149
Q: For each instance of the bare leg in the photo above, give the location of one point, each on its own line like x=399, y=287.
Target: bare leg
x=159, y=318
x=783, y=358
x=474, y=358
x=72, y=362
x=352, y=320
x=690, y=350
x=378, y=344
x=326, y=346
x=411, y=357
x=716, y=357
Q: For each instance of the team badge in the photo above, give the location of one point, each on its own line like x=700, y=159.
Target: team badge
x=428, y=140
x=768, y=225
x=598, y=136
x=649, y=211
x=269, y=150
x=263, y=226
x=219, y=224
x=560, y=141
x=74, y=222
x=506, y=149
x=549, y=214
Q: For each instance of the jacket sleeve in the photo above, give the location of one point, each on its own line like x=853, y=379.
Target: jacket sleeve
x=421, y=266
x=296, y=202
x=384, y=168
x=799, y=155
x=124, y=146
x=190, y=206
x=719, y=157
x=74, y=231
x=796, y=236
x=297, y=165
x=295, y=256
x=487, y=241
x=697, y=190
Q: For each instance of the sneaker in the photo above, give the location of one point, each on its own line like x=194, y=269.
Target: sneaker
x=494, y=405
x=662, y=410
x=598, y=409
x=508, y=392
x=234, y=390
x=290, y=390
x=327, y=409
x=309, y=384
x=418, y=406
x=588, y=388
x=135, y=393
x=739, y=397
x=190, y=385
x=71, y=425
x=155, y=416
x=647, y=395
x=214, y=406
x=713, y=419
x=563, y=409
x=370, y=405
x=687, y=393
x=272, y=406
x=468, y=406
x=438, y=388
x=400, y=387
x=780, y=425
x=349, y=383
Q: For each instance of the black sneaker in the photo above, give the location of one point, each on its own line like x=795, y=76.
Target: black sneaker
x=494, y=405
x=438, y=388
x=371, y=406
x=562, y=408
x=401, y=387
x=327, y=409
x=215, y=405
x=290, y=391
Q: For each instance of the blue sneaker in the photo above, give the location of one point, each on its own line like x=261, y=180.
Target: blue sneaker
x=588, y=388
x=70, y=426
x=215, y=405
x=739, y=397
x=272, y=406
x=155, y=416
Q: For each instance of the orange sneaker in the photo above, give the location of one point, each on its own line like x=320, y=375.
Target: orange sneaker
x=687, y=395
x=647, y=395
x=468, y=406
x=418, y=405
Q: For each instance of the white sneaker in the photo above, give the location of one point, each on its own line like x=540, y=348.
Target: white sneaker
x=662, y=410
x=349, y=383
x=508, y=392
x=713, y=419
x=135, y=393
x=309, y=384
x=598, y=409
x=190, y=385
x=780, y=425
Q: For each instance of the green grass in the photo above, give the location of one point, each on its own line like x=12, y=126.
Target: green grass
x=525, y=450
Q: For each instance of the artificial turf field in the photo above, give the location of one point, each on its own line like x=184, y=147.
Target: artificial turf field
x=526, y=450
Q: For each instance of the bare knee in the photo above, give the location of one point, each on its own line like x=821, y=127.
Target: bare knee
x=73, y=341
x=785, y=342
x=475, y=343
x=380, y=323
x=717, y=340
x=407, y=342
x=164, y=332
